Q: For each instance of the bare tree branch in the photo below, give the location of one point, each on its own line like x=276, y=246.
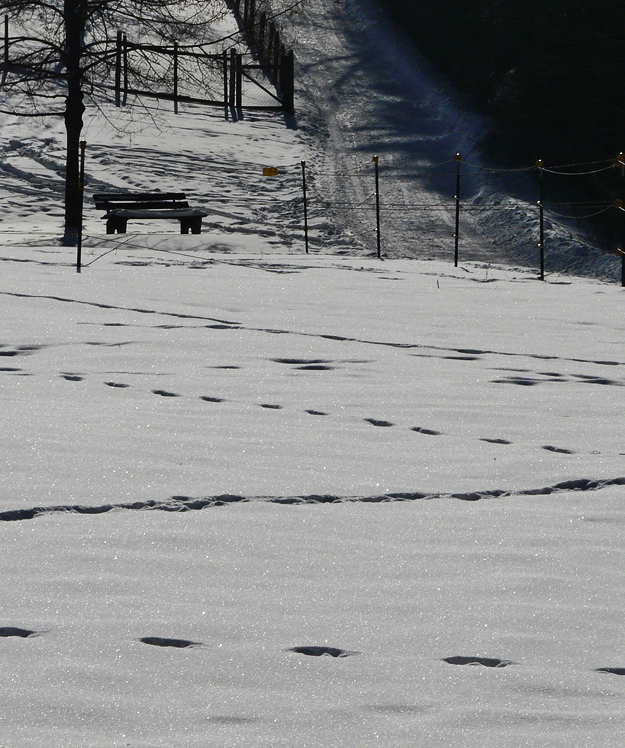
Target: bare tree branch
x=64, y=50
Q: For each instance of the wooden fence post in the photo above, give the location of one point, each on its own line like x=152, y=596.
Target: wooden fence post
x=262, y=28
x=270, y=42
x=125, y=65
x=287, y=82
x=175, y=77
x=251, y=21
x=239, y=78
x=233, y=77
x=6, y=40
x=118, y=68
x=277, y=52
x=224, y=62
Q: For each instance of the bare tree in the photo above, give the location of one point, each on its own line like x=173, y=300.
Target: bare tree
x=63, y=54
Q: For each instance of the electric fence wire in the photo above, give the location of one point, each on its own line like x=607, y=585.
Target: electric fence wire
x=390, y=170
x=589, y=215
x=577, y=173
x=487, y=169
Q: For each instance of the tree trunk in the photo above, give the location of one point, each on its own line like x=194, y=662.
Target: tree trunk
x=74, y=109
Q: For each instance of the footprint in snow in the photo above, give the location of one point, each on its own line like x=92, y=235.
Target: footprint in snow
x=375, y=422
x=157, y=641
x=320, y=651
x=559, y=450
x=6, y=631
x=485, y=661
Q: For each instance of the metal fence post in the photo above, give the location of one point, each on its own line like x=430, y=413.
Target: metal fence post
x=83, y=147
x=458, y=159
x=377, y=202
x=541, y=218
x=305, y=205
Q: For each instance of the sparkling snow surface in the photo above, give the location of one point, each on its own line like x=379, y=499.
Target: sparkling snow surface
x=256, y=498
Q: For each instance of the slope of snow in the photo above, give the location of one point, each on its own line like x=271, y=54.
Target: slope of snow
x=325, y=415
x=533, y=582
x=227, y=461
x=467, y=356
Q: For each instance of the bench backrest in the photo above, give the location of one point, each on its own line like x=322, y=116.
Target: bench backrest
x=140, y=200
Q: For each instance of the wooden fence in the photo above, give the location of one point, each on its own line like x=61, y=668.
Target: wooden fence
x=264, y=38
x=227, y=73
x=158, y=71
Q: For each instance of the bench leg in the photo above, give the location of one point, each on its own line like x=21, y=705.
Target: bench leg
x=190, y=225
x=116, y=224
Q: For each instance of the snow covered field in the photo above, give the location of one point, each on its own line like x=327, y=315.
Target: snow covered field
x=258, y=498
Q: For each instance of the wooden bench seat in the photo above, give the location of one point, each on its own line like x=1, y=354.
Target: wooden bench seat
x=121, y=207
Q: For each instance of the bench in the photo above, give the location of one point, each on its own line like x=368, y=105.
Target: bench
x=121, y=207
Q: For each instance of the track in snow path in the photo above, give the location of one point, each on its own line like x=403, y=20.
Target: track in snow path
x=369, y=93
x=187, y=503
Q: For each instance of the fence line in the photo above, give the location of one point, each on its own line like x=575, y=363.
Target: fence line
x=229, y=72
x=262, y=36
x=374, y=203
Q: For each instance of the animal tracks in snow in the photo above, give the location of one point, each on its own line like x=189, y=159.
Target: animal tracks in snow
x=320, y=651
x=377, y=422
x=321, y=366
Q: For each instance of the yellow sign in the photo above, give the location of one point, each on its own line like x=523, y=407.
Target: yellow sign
x=270, y=171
